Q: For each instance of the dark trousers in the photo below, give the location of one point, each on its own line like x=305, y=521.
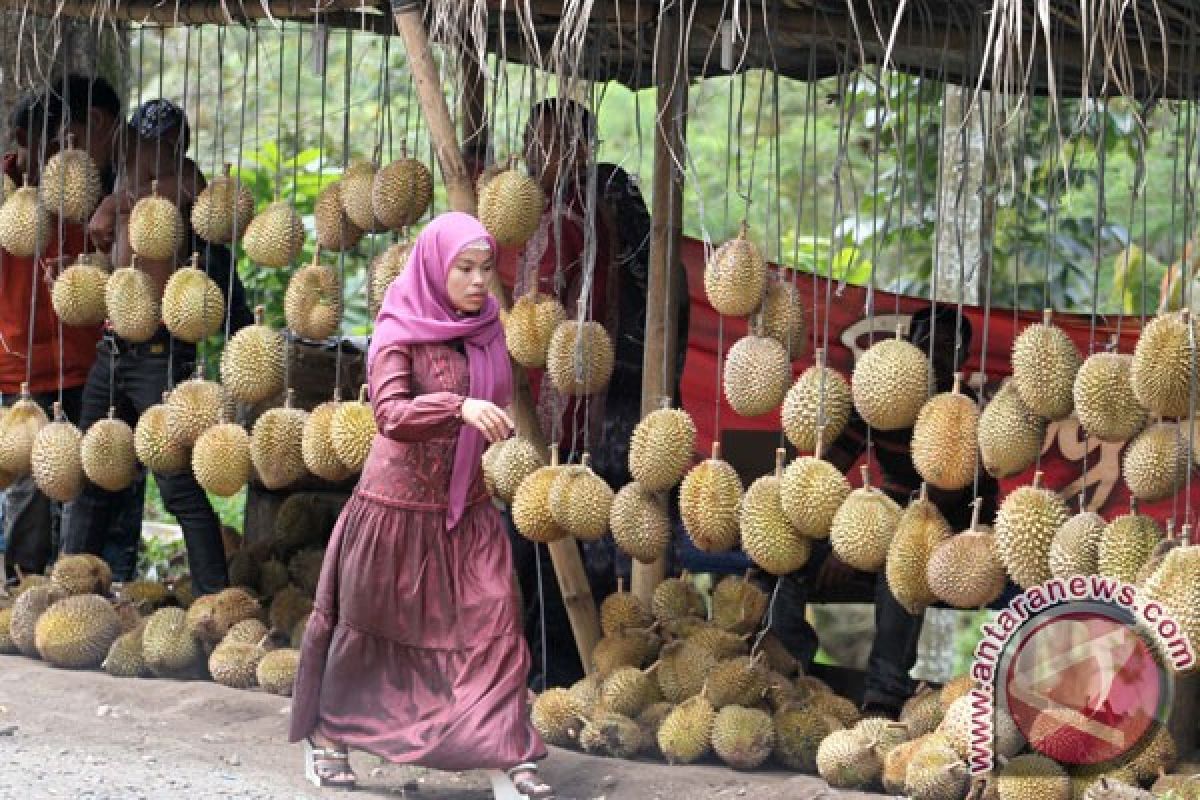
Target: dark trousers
x=897, y=633
x=32, y=522
x=132, y=378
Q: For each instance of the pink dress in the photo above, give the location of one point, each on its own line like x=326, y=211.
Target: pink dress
x=414, y=651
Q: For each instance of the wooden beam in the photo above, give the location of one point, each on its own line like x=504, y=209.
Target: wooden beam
x=663, y=294
x=205, y=12
x=568, y=566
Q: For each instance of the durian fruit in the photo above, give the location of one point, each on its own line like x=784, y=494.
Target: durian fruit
x=709, y=498
x=305, y=569
x=557, y=716
x=193, y=407
x=918, y=533
x=683, y=668
x=622, y=610
x=1157, y=753
x=819, y=397
x=586, y=691
x=316, y=445
x=275, y=237
x=7, y=645
x=531, y=504
x=1126, y=544
x=661, y=447
x=353, y=430
x=890, y=384
x=676, y=598
x=302, y=522
x=153, y=444
x=639, y=522
x=1026, y=524
x=132, y=303
x=512, y=461
x=1185, y=787
x=1104, y=399
x=580, y=359
x=1161, y=372
x=288, y=606
x=627, y=691
x=384, y=269
x=81, y=573
x=275, y=444
x=1159, y=553
x=402, y=192
x=847, y=760
x=610, y=734
x=169, y=650
x=193, y=307
x=70, y=184
x=221, y=459
x=1045, y=362
x=356, y=184
x=1030, y=776
x=252, y=362
x=685, y=736
x=312, y=304
x=7, y=187
x=743, y=737
x=211, y=617
x=124, y=658
x=1155, y=464
x=650, y=720
x=1176, y=585
x=965, y=571
x=55, y=461
x=145, y=596
x=781, y=316
x=768, y=537
x=723, y=645
x=955, y=688
x=922, y=712
x=799, y=732
x=530, y=326
x=223, y=210
x=276, y=671
x=1076, y=547
x=1006, y=741
x=756, y=375
x=895, y=765
x=19, y=428
x=26, y=611
x=738, y=605
x=155, y=227
x=945, y=439
x=235, y=664
x=836, y=706
x=107, y=453
x=24, y=223
x=863, y=527
x=272, y=578
x=580, y=501
x=936, y=772
x=77, y=631
x=1010, y=434
x=736, y=681
x=181, y=591
x=628, y=649
x=510, y=207
x=812, y=491
x=885, y=734
x=78, y=294
x=735, y=277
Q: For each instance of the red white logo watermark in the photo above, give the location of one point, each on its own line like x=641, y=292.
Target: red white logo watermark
x=1084, y=666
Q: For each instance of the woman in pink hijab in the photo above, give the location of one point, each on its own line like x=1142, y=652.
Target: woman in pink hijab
x=413, y=651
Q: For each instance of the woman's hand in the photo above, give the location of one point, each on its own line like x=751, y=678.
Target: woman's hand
x=488, y=418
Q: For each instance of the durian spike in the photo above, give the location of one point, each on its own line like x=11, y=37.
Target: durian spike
x=716, y=451
x=362, y=393
x=260, y=313
x=1037, y=480
x=976, y=507
x=957, y=383
x=780, y=456
x=1047, y=316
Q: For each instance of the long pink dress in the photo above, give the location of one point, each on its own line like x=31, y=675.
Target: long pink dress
x=413, y=651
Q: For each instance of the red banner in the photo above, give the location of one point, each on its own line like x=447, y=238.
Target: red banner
x=850, y=326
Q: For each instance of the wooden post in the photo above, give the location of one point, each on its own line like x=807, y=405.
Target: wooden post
x=663, y=294
x=568, y=566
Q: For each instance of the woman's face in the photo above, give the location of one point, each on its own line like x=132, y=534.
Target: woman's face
x=467, y=280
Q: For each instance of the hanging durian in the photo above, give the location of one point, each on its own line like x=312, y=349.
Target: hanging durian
x=918, y=533
x=863, y=527
x=530, y=326
x=1025, y=527
x=1010, y=434
x=580, y=501
x=531, y=504
x=819, y=396
x=334, y=229
x=1161, y=372
x=252, y=362
x=509, y=462
x=193, y=306
x=511, y=206
x=890, y=383
x=18, y=429
x=1126, y=544
x=107, y=453
x=223, y=210
x=317, y=446
x=710, y=498
x=1076, y=547
x=70, y=184
x=756, y=375
x=275, y=237
x=402, y=192
x=357, y=183
x=735, y=277
x=661, y=448
x=221, y=459
x=768, y=538
x=782, y=317
x=24, y=223
x=1176, y=585
x=275, y=444
x=54, y=459
x=133, y=304
x=944, y=440
x=78, y=294
x=312, y=304
x=812, y=492
x=639, y=522
x=1045, y=362
x=352, y=430
x=1155, y=464
x=1104, y=399
x=193, y=407
x=153, y=444
x=155, y=227
x=580, y=360
x=384, y=269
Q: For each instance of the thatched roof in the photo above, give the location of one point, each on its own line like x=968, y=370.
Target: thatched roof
x=1139, y=47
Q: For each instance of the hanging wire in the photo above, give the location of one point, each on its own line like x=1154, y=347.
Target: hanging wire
x=337, y=358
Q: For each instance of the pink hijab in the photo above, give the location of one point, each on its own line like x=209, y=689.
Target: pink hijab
x=417, y=310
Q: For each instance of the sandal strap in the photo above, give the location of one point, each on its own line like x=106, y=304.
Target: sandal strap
x=528, y=766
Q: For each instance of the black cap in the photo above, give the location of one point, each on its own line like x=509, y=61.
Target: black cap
x=160, y=118
x=64, y=101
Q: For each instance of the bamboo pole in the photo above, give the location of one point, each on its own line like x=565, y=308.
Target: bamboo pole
x=568, y=566
x=662, y=290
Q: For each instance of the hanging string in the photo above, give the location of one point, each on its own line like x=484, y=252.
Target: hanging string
x=337, y=358
x=296, y=116
x=233, y=258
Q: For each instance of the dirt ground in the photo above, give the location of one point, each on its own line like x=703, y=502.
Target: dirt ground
x=87, y=735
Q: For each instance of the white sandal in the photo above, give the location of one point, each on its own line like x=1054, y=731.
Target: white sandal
x=505, y=787
x=328, y=778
